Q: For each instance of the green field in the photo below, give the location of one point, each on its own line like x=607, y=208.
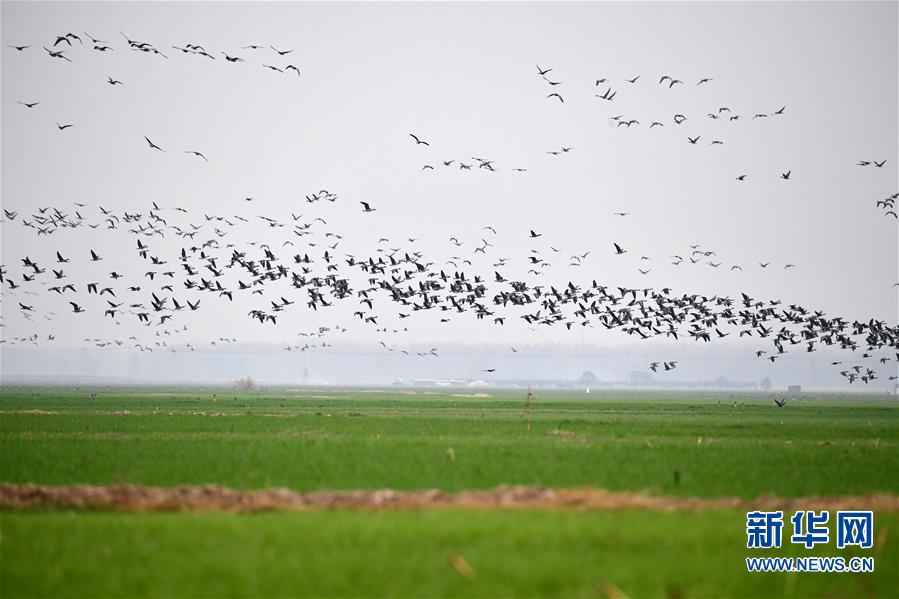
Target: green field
x=698, y=445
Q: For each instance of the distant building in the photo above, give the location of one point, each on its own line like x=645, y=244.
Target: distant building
x=794, y=389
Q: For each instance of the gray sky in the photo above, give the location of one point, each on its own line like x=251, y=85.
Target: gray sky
x=463, y=77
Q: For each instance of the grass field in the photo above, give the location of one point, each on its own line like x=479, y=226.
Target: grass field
x=698, y=445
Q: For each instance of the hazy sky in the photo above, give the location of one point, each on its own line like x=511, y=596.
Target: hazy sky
x=463, y=77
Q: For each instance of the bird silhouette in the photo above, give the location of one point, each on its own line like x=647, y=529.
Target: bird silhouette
x=152, y=145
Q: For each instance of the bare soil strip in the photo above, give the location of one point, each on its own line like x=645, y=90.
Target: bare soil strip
x=190, y=498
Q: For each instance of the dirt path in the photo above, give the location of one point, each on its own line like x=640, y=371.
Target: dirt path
x=131, y=498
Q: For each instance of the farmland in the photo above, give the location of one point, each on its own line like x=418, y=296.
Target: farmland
x=661, y=445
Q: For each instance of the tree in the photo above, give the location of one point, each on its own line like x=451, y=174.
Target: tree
x=588, y=378
x=641, y=378
x=244, y=384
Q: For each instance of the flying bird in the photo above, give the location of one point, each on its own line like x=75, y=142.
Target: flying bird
x=57, y=53
x=152, y=145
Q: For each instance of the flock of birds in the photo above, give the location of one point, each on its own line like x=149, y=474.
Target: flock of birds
x=64, y=43
x=302, y=266
x=721, y=114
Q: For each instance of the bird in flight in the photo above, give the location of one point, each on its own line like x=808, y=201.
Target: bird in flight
x=555, y=95
x=741, y=178
x=195, y=153
x=291, y=67
x=534, y=235
x=786, y=176
x=704, y=80
x=19, y=48
x=634, y=80
x=63, y=127
x=418, y=141
x=542, y=72
x=112, y=81
x=618, y=249
x=281, y=52
x=28, y=104
x=152, y=145
x=693, y=140
x=366, y=207
x=57, y=54
x=607, y=95
x=93, y=39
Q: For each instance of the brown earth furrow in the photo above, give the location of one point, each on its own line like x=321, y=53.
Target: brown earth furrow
x=134, y=498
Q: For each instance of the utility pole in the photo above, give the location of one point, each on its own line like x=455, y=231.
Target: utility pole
x=528, y=407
